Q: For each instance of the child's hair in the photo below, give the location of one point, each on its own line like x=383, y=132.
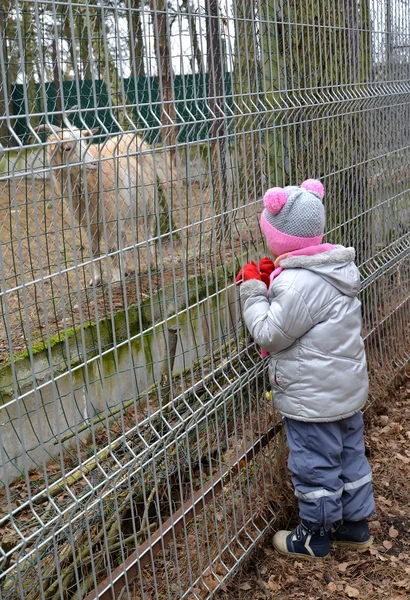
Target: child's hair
x=294, y=217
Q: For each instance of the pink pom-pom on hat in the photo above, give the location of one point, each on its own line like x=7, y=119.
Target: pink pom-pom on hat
x=313, y=185
x=274, y=200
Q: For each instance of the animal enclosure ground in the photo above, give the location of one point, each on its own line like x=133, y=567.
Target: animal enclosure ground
x=382, y=572
x=45, y=261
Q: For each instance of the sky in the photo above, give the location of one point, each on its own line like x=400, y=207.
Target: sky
x=117, y=36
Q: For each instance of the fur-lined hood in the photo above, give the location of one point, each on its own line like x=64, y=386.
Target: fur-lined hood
x=336, y=266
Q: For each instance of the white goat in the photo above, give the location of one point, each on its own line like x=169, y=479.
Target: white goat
x=105, y=186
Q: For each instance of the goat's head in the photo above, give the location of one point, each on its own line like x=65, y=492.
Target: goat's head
x=69, y=147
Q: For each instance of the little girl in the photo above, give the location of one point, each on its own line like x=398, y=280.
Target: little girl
x=304, y=311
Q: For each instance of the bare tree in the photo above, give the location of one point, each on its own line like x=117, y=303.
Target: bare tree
x=159, y=15
x=136, y=39
x=193, y=32
x=29, y=60
x=4, y=91
x=246, y=87
x=82, y=33
x=217, y=131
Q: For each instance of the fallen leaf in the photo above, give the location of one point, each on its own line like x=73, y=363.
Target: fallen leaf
x=343, y=566
x=393, y=533
x=388, y=545
x=352, y=592
x=385, y=501
x=264, y=570
x=375, y=553
x=219, y=569
x=245, y=586
x=407, y=569
x=273, y=586
x=210, y=582
x=332, y=586
x=403, y=459
x=404, y=583
x=219, y=516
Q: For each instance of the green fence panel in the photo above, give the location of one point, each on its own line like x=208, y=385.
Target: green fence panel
x=191, y=103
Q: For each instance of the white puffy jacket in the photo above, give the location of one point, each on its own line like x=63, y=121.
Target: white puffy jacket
x=310, y=323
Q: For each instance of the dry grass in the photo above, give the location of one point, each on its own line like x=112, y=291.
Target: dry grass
x=39, y=241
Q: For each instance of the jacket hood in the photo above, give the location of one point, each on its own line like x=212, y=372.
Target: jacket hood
x=336, y=267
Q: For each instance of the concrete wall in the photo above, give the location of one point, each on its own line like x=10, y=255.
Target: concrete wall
x=60, y=387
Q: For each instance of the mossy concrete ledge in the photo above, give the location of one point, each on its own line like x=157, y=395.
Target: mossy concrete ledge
x=88, y=370
x=68, y=349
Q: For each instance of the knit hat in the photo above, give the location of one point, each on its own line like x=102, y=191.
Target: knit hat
x=294, y=217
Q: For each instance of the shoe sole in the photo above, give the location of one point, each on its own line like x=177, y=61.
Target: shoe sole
x=302, y=556
x=354, y=545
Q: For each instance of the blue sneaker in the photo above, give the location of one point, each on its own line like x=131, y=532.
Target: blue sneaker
x=351, y=534
x=305, y=541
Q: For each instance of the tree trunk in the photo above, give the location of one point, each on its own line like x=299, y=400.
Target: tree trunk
x=247, y=89
x=31, y=57
x=159, y=15
x=10, y=44
x=4, y=88
x=276, y=153
x=83, y=46
x=196, y=47
x=136, y=40
x=325, y=55
x=105, y=66
x=217, y=118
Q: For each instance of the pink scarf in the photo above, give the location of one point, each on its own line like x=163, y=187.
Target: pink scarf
x=310, y=251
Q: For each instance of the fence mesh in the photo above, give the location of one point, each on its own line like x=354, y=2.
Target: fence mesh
x=140, y=450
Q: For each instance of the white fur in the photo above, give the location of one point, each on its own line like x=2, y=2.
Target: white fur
x=253, y=287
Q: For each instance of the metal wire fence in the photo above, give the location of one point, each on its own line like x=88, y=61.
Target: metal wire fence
x=140, y=450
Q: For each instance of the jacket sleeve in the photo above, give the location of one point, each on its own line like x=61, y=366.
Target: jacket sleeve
x=274, y=325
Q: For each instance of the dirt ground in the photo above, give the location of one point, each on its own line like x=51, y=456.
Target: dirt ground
x=42, y=252
x=380, y=573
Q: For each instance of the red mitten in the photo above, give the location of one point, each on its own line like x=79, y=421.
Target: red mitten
x=266, y=265
x=266, y=279
x=249, y=271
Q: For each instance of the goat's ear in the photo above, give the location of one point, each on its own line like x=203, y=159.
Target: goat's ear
x=88, y=133
x=50, y=138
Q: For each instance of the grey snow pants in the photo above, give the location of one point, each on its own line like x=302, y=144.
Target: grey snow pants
x=330, y=471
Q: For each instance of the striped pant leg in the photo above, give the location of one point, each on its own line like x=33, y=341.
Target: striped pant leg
x=357, y=497
x=315, y=463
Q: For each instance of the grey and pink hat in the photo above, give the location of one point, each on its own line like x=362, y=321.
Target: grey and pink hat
x=294, y=217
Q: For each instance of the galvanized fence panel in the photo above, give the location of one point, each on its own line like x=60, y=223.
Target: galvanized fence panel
x=140, y=449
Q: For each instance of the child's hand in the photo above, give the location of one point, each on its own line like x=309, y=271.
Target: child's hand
x=266, y=265
x=251, y=271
